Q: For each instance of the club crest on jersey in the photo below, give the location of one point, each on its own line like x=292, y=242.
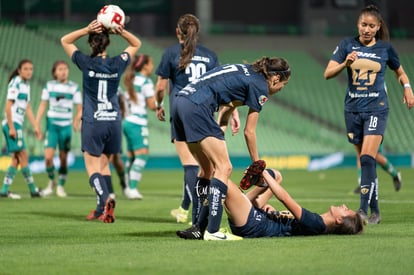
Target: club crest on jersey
x=262, y=100
x=124, y=56
x=351, y=136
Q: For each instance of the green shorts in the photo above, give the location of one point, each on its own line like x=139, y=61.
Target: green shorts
x=58, y=136
x=14, y=144
x=136, y=135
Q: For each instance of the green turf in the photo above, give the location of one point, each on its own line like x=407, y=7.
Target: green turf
x=51, y=236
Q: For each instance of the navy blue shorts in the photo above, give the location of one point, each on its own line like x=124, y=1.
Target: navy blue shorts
x=101, y=137
x=359, y=125
x=193, y=122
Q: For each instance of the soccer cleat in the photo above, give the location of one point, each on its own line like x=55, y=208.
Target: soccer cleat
x=60, y=192
x=375, y=218
x=192, y=233
x=108, y=214
x=397, y=182
x=253, y=175
x=49, y=189
x=180, y=214
x=37, y=194
x=357, y=190
x=93, y=216
x=133, y=194
x=10, y=196
x=221, y=236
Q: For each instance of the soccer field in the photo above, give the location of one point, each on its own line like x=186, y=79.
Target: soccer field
x=51, y=235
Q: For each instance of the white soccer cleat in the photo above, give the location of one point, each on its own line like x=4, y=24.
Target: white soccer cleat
x=221, y=236
x=49, y=189
x=10, y=195
x=133, y=194
x=60, y=192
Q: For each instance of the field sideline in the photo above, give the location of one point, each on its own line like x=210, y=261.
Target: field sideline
x=51, y=236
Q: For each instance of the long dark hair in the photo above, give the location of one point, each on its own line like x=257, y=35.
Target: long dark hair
x=136, y=65
x=383, y=33
x=270, y=66
x=19, y=66
x=98, y=42
x=188, y=25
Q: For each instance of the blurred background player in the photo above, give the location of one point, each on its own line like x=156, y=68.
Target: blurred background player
x=61, y=95
x=180, y=64
x=386, y=165
x=366, y=58
x=139, y=97
x=101, y=131
x=17, y=106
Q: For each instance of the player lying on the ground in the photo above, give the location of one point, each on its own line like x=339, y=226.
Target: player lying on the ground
x=250, y=216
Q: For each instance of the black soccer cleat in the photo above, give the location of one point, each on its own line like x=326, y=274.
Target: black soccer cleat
x=253, y=175
x=397, y=182
x=192, y=233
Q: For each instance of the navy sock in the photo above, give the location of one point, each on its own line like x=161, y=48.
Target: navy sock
x=200, y=193
x=374, y=198
x=190, y=179
x=108, y=182
x=216, y=196
x=97, y=182
x=368, y=179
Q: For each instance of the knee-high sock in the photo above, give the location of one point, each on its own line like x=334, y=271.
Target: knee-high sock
x=216, y=197
x=190, y=179
x=63, y=172
x=8, y=179
x=97, y=182
x=200, y=193
x=374, y=199
x=135, y=172
x=27, y=174
x=368, y=179
x=108, y=182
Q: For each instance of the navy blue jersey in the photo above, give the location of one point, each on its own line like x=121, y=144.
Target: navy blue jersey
x=232, y=84
x=260, y=224
x=202, y=61
x=101, y=78
x=366, y=89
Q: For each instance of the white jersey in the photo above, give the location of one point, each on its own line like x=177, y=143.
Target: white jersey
x=19, y=92
x=137, y=112
x=61, y=98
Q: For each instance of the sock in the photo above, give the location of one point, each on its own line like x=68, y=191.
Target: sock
x=389, y=168
x=63, y=171
x=8, y=179
x=108, y=182
x=368, y=178
x=190, y=179
x=51, y=172
x=216, y=196
x=135, y=173
x=374, y=199
x=359, y=176
x=200, y=193
x=202, y=220
x=97, y=182
x=27, y=174
x=122, y=182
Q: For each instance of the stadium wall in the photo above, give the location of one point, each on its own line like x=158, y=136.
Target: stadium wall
x=282, y=162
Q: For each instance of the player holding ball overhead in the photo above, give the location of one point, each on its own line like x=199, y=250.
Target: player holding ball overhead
x=101, y=131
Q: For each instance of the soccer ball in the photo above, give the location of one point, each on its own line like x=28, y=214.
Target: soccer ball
x=111, y=16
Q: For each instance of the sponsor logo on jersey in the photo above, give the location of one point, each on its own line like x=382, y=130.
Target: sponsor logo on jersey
x=262, y=100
